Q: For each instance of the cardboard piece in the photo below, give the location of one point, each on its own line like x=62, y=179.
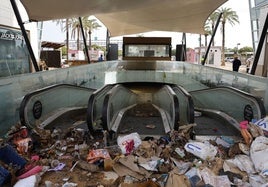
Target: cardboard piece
x=122, y=170
x=175, y=180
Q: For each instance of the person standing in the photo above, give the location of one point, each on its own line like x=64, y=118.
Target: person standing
x=100, y=59
x=236, y=64
x=248, y=63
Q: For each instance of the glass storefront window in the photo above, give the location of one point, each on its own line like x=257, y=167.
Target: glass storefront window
x=133, y=50
x=14, y=56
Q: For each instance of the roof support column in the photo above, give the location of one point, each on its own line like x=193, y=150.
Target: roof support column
x=258, y=52
x=27, y=41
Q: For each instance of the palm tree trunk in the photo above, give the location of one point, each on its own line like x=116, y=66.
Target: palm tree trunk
x=212, y=27
x=78, y=34
x=223, y=45
x=67, y=39
x=89, y=39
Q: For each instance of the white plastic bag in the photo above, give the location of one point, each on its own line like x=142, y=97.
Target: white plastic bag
x=217, y=181
x=205, y=151
x=129, y=142
x=259, y=153
x=243, y=162
x=257, y=180
x=31, y=181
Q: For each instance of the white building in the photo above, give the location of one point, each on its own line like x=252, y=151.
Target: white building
x=213, y=58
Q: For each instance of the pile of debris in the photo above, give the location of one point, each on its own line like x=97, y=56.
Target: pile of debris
x=72, y=157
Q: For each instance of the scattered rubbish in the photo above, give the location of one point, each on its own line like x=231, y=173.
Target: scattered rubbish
x=180, y=152
x=71, y=170
x=32, y=171
x=108, y=164
x=70, y=157
x=110, y=178
x=210, y=178
x=197, y=114
x=225, y=141
x=59, y=167
x=256, y=180
x=95, y=155
x=85, y=166
x=259, y=154
x=129, y=142
x=31, y=181
x=242, y=162
x=69, y=184
x=150, y=165
x=48, y=183
x=262, y=123
x=255, y=130
x=205, y=151
x=150, y=126
x=182, y=167
x=244, y=132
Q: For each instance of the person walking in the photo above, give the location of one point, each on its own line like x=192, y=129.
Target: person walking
x=236, y=64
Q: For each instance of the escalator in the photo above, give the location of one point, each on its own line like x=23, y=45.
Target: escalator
x=136, y=107
x=117, y=108
x=144, y=119
x=219, y=110
x=60, y=105
x=215, y=123
x=150, y=109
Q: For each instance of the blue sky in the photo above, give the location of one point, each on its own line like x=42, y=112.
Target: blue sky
x=240, y=33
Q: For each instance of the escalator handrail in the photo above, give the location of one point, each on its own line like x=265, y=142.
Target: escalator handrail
x=91, y=103
x=30, y=95
x=176, y=107
x=190, y=113
x=258, y=100
x=106, y=105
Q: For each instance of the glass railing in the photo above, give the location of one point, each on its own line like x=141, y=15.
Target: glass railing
x=190, y=76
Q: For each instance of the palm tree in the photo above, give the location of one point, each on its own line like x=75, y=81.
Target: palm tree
x=75, y=30
x=212, y=19
x=88, y=24
x=228, y=16
x=64, y=23
x=207, y=32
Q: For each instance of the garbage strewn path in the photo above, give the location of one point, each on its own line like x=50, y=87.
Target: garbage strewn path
x=72, y=157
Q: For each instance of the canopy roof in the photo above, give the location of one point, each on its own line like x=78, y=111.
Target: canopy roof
x=53, y=45
x=124, y=17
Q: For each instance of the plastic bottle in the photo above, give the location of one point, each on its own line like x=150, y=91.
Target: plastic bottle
x=244, y=132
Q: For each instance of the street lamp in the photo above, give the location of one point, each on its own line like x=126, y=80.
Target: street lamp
x=237, y=47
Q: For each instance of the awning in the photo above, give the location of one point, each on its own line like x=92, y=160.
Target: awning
x=124, y=17
x=53, y=45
